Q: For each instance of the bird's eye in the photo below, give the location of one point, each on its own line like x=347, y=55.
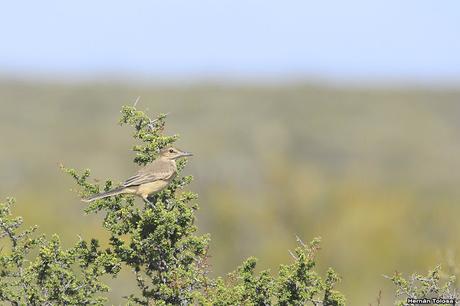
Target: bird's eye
x=171, y=151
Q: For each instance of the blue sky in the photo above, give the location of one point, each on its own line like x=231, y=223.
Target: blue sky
x=344, y=40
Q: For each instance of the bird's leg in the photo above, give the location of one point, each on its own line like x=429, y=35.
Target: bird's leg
x=146, y=199
x=150, y=199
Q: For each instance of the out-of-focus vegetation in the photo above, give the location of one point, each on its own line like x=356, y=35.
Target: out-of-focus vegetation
x=374, y=172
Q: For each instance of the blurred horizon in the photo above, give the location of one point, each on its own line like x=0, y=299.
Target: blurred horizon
x=334, y=41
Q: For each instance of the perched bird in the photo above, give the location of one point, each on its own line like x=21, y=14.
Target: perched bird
x=150, y=179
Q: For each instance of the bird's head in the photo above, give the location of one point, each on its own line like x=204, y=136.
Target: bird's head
x=173, y=153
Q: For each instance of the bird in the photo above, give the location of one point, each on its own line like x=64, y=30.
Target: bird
x=150, y=179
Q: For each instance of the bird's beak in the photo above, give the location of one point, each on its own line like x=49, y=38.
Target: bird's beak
x=186, y=154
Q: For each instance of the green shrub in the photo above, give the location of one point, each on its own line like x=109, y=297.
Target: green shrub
x=433, y=285
x=55, y=276
x=159, y=243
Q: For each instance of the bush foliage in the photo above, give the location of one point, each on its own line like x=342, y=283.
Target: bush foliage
x=434, y=284
x=159, y=243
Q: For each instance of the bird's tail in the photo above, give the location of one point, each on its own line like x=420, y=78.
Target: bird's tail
x=106, y=194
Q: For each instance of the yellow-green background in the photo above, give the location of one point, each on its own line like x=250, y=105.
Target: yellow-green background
x=374, y=172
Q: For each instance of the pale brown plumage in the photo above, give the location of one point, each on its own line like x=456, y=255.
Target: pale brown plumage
x=150, y=179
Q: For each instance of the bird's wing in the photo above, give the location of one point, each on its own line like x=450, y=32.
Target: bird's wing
x=158, y=170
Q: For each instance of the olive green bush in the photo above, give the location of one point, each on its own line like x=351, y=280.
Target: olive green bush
x=433, y=285
x=54, y=276
x=158, y=242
